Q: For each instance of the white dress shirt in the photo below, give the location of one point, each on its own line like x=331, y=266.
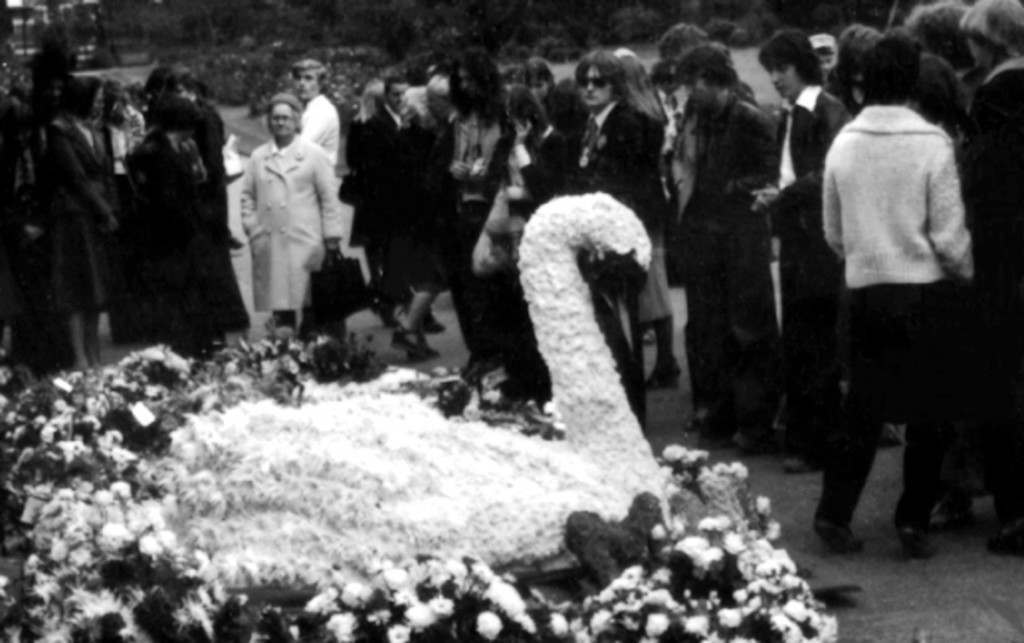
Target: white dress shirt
x=807, y=99
x=320, y=125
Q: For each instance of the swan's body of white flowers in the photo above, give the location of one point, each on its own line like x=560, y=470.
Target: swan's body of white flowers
x=364, y=472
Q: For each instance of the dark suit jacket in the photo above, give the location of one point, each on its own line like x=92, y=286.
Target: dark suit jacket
x=736, y=154
x=623, y=162
x=382, y=167
x=808, y=265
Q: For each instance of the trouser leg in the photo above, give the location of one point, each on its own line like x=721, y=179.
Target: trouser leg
x=850, y=455
x=922, y=472
x=811, y=370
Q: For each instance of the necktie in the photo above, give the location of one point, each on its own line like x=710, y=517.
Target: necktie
x=589, y=141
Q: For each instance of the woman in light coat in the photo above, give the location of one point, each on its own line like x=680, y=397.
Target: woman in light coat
x=290, y=213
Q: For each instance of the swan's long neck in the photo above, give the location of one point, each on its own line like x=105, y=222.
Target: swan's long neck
x=586, y=385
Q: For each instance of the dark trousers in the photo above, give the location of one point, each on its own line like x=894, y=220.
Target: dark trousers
x=471, y=295
x=528, y=376
x=904, y=367
x=731, y=331
x=811, y=368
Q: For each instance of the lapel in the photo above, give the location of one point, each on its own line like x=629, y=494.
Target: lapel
x=90, y=154
x=800, y=134
x=289, y=160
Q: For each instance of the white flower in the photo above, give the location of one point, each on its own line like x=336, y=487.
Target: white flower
x=559, y=626
x=600, y=621
x=58, y=550
x=483, y=572
x=733, y=543
x=396, y=578
x=774, y=530
x=674, y=453
x=355, y=594
x=121, y=490
x=420, y=617
x=441, y=607
x=692, y=546
x=103, y=497
x=457, y=569
x=150, y=546
x=796, y=610
x=709, y=557
x=322, y=602
x=114, y=537
x=399, y=634
x=790, y=631
x=730, y=618
x=507, y=598
x=763, y=505
x=663, y=576
x=698, y=625
x=167, y=538
x=488, y=625
x=659, y=597
x=657, y=624
x=47, y=434
x=715, y=524
x=658, y=532
x=342, y=627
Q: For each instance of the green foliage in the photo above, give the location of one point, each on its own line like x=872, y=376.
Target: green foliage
x=631, y=24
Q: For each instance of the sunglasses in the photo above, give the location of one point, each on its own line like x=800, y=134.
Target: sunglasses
x=597, y=81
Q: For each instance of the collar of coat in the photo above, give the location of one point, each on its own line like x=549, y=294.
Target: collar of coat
x=282, y=160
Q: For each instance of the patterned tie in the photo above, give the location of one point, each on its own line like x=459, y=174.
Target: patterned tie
x=589, y=141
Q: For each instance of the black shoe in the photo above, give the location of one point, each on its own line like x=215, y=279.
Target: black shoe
x=915, y=542
x=663, y=377
x=1009, y=540
x=431, y=326
x=838, y=538
x=954, y=511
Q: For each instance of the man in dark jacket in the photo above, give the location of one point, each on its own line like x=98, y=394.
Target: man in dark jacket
x=731, y=334
x=810, y=273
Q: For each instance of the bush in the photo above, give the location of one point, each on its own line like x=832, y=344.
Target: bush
x=557, y=50
x=720, y=29
x=631, y=24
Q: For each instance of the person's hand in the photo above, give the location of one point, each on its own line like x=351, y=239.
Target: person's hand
x=332, y=244
x=459, y=170
x=523, y=129
x=764, y=198
x=32, y=232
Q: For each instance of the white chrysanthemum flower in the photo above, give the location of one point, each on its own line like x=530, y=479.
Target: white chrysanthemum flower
x=600, y=621
x=709, y=557
x=442, y=607
x=763, y=505
x=342, y=627
x=150, y=546
x=693, y=546
x=659, y=533
x=657, y=624
x=114, y=538
x=396, y=578
x=733, y=543
x=507, y=598
x=796, y=610
x=659, y=597
x=420, y=616
x=103, y=498
x=699, y=625
x=558, y=625
x=121, y=490
x=674, y=453
x=58, y=550
x=399, y=634
x=730, y=618
x=323, y=602
x=715, y=524
x=355, y=594
x=488, y=625
x=457, y=569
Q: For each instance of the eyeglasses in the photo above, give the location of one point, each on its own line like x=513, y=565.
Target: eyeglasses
x=597, y=81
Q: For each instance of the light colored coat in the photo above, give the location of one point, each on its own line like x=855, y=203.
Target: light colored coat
x=288, y=208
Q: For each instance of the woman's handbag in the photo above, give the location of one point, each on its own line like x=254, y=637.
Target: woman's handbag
x=338, y=289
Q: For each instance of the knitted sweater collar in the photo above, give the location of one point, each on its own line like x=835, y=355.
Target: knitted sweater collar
x=891, y=119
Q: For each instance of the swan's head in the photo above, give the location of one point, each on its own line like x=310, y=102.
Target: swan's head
x=595, y=223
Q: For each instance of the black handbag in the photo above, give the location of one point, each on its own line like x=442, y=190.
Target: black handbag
x=338, y=288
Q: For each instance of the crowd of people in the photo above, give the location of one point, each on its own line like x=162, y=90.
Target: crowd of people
x=889, y=187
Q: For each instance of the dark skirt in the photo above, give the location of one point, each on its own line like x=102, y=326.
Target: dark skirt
x=83, y=278
x=910, y=359
x=222, y=299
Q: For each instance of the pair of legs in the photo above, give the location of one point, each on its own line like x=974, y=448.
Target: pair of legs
x=731, y=333
x=410, y=335
x=84, y=332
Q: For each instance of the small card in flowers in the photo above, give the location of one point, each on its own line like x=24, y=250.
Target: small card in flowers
x=142, y=414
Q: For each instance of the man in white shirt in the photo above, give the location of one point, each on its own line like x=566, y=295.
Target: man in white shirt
x=320, y=122
x=810, y=276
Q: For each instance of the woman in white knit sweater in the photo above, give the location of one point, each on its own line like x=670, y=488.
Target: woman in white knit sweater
x=893, y=211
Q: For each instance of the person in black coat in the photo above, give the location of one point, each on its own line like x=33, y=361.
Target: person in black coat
x=810, y=273
x=731, y=333
x=993, y=188
x=80, y=201
x=614, y=158
x=168, y=174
